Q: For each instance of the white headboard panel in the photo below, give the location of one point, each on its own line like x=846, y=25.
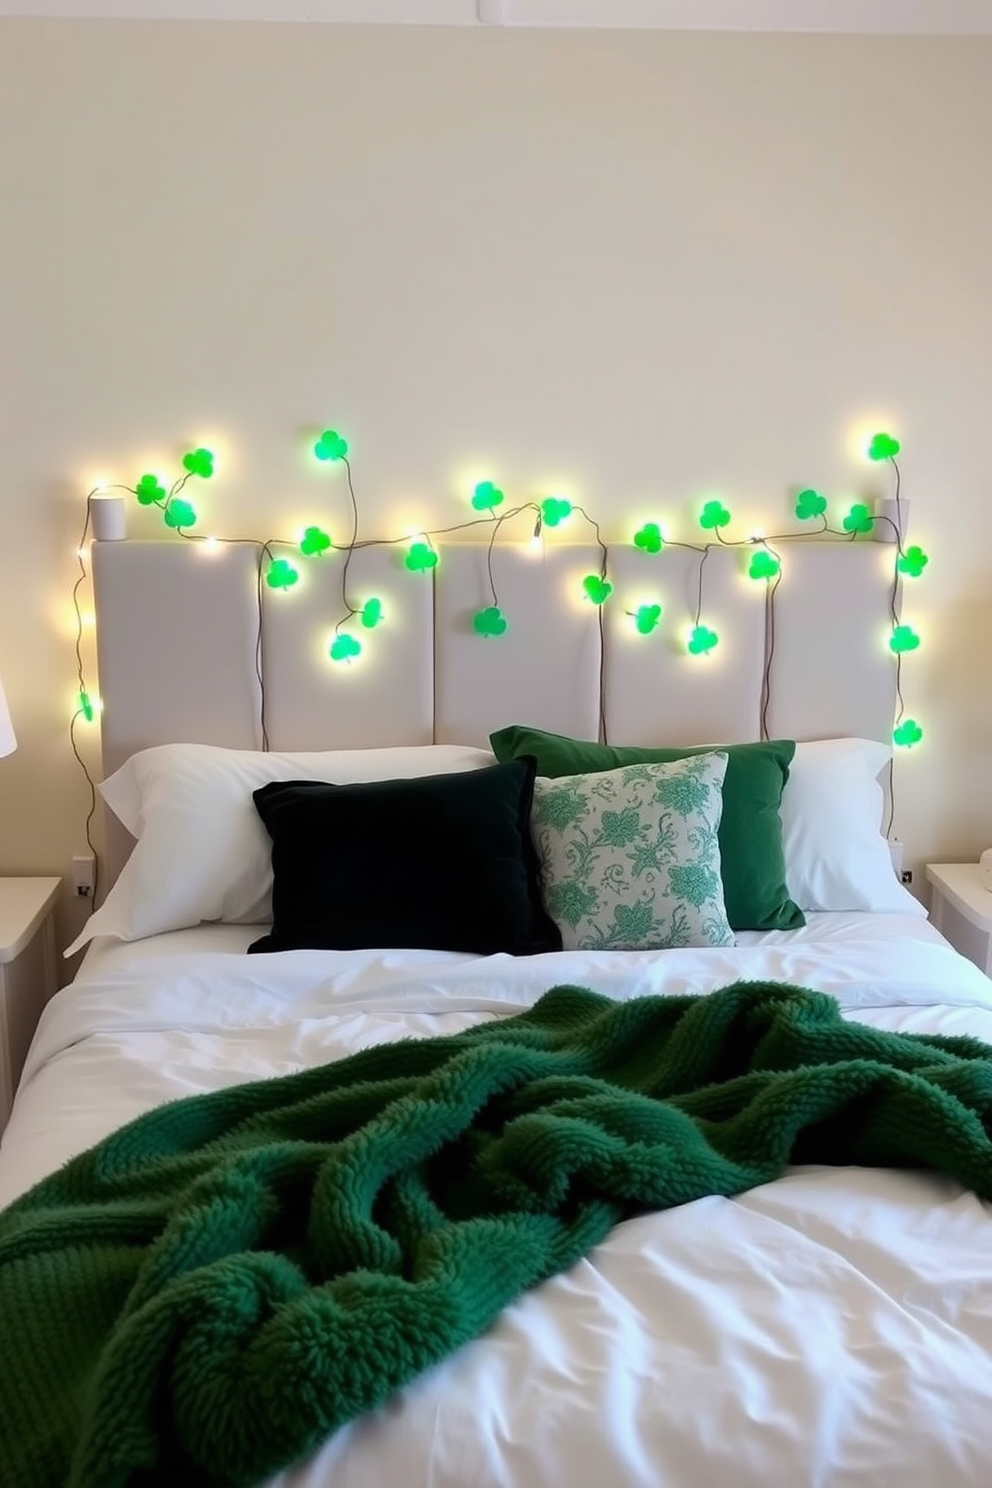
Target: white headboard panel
x=832, y=672
x=544, y=670
x=656, y=692
x=176, y=641
x=387, y=694
x=177, y=633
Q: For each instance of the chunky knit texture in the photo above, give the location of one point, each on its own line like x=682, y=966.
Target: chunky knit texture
x=209, y=1293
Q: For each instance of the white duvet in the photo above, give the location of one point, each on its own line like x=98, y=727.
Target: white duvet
x=831, y=1329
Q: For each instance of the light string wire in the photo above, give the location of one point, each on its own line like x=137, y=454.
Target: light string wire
x=265, y=554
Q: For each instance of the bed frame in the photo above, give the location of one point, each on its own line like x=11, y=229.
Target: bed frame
x=178, y=624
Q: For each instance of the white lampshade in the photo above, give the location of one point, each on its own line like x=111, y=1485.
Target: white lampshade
x=7, y=741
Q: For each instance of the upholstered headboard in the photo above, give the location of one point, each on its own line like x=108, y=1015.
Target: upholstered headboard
x=178, y=631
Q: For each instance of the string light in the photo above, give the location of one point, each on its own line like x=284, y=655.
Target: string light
x=488, y=503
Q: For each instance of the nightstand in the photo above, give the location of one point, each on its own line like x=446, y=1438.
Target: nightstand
x=961, y=909
x=28, y=974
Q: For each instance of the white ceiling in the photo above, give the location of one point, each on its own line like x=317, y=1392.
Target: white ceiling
x=926, y=17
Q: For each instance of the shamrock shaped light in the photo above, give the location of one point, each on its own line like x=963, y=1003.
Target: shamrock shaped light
x=647, y=617
x=810, y=504
x=913, y=562
x=903, y=639
x=597, y=589
x=649, y=538
x=179, y=513
x=150, y=491
x=713, y=516
x=702, y=640
x=555, y=510
x=487, y=497
x=314, y=542
x=764, y=565
x=421, y=558
x=344, y=647
x=281, y=574
x=199, y=462
x=490, y=622
x=331, y=446
x=907, y=735
x=858, y=519
x=883, y=447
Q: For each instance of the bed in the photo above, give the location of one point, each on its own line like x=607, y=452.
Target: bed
x=832, y=1328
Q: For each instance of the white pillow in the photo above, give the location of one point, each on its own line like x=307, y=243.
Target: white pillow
x=202, y=852
x=835, y=855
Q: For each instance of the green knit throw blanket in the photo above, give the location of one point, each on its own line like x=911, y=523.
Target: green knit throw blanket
x=208, y=1294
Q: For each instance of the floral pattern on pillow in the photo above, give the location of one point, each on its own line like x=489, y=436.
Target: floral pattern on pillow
x=630, y=859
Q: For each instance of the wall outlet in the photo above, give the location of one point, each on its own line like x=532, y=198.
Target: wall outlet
x=84, y=875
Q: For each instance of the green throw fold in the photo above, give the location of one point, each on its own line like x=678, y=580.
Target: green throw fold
x=212, y=1291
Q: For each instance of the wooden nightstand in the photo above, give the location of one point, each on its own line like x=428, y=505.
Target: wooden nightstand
x=28, y=974
x=961, y=909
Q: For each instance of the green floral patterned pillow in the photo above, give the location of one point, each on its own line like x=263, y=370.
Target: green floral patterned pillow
x=630, y=859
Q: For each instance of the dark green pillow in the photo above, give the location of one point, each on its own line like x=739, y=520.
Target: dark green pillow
x=753, y=863
x=444, y=862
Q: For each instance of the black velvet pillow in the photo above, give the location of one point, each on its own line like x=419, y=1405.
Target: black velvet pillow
x=441, y=862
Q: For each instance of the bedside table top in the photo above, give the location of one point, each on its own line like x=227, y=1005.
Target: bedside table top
x=24, y=905
x=961, y=883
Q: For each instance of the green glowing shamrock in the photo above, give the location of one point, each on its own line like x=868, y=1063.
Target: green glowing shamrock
x=371, y=613
x=490, y=622
x=913, y=562
x=859, y=518
x=647, y=617
x=344, y=647
x=487, y=496
x=555, y=510
x=330, y=446
x=907, y=734
x=179, y=514
x=315, y=541
x=764, y=565
x=597, y=589
x=281, y=574
x=199, y=462
x=86, y=706
x=150, y=490
x=702, y=640
x=904, y=638
x=649, y=538
x=421, y=557
x=810, y=504
x=883, y=447
x=714, y=514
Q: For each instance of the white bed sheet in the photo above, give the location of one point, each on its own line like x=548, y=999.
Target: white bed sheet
x=831, y=1329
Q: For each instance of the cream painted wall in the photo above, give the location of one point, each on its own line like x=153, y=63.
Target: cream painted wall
x=637, y=266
